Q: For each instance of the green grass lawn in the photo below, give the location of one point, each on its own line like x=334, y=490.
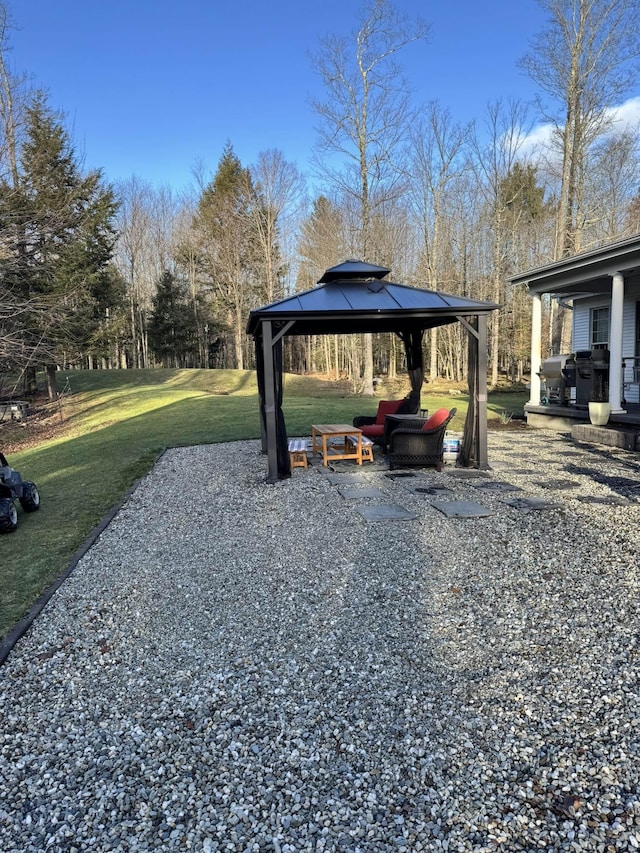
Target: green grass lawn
x=113, y=426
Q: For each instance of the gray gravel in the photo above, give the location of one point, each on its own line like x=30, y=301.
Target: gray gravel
x=243, y=667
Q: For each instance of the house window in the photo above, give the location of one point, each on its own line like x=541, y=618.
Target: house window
x=600, y=327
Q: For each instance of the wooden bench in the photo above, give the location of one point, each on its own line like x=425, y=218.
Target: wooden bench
x=298, y=452
x=367, y=446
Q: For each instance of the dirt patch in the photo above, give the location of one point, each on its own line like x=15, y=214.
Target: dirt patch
x=509, y=426
x=42, y=424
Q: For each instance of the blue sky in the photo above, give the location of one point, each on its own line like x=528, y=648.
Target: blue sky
x=150, y=87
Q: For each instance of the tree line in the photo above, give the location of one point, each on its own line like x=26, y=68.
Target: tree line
x=94, y=274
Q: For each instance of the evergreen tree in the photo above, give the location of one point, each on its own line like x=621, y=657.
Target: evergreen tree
x=171, y=329
x=59, y=237
x=228, y=247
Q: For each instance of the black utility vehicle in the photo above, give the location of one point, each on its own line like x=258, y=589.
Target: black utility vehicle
x=13, y=488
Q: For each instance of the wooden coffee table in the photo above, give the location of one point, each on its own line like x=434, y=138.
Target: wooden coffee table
x=324, y=439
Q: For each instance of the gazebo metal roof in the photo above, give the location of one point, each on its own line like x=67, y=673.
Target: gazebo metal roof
x=353, y=297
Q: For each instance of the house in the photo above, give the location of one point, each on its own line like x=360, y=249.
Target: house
x=602, y=289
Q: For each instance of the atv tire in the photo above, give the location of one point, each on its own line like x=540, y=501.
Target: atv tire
x=30, y=500
x=8, y=515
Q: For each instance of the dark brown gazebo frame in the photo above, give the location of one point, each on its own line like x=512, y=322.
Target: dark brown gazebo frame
x=354, y=297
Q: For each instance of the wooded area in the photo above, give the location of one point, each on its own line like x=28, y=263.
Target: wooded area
x=131, y=275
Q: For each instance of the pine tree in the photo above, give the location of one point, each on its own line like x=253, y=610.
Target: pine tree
x=171, y=328
x=227, y=245
x=61, y=237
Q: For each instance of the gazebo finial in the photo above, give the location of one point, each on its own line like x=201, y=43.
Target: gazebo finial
x=353, y=269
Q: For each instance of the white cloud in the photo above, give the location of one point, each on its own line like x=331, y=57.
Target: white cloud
x=537, y=139
x=623, y=117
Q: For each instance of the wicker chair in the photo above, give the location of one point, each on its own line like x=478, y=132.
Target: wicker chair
x=420, y=447
x=372, y=426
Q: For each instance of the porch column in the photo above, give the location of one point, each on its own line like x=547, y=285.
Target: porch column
x=615, y=342
x=536, y=349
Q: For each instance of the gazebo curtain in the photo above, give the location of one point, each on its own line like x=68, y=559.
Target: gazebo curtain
x=270, y=392
x=282, y=442
x=259, y=343
x=268, y=341
x=415, y=364
x=468, y=450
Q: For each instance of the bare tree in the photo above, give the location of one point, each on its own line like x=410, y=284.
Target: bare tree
x=13, y=97
x=322, y=240
x=493, y=161
x=134, y=259
x=364, y=118
x=436, y=158
x=585, y=60
x=614, y=175
x=278, y=190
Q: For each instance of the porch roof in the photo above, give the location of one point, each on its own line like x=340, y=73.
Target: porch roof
x=586, y=274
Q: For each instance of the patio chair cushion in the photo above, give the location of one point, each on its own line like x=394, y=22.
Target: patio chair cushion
x=387, y=407
x=373, y=430
x=436, y=420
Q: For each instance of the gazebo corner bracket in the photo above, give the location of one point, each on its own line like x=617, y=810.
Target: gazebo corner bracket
x=468, y=326
x=282, y=332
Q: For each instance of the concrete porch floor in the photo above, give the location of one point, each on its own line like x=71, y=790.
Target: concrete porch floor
x=622, y=430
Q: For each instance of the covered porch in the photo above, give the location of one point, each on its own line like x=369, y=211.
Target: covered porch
x=602, y=289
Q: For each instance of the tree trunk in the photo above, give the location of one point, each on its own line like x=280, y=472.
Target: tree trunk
x=30, y=381
x=433, y=362
x=367, y=372
x=52, y=390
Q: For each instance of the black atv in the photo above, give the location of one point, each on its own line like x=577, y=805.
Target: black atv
x=13, y=488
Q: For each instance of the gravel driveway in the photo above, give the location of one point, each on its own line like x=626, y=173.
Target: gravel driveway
x=243, y=667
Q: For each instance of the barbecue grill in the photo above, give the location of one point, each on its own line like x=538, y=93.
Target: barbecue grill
x=592, y=375
x=559, y=374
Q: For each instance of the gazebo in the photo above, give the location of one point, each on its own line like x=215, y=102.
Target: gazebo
x=355, y=297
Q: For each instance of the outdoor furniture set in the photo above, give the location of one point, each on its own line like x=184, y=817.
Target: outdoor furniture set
x=409, y=439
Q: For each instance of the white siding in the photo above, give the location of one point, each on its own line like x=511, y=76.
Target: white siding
x=631, y=391
x=582, y=331
x=582, y=320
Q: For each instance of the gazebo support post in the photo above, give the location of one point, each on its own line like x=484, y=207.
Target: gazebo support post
x=481, y=385
x=273, y=427
x=474, y=453
x=269, y=402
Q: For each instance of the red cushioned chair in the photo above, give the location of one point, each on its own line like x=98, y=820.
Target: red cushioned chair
x=373, y=425
x=422, y=447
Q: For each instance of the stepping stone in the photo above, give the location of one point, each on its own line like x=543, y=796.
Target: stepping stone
x=610, y=501
x=498, y=486
x=432, y=490
x=467, y=473
x=346, y=479
x=529, y=504
x=557, y=484
x=354, y=494
x=398, y=475
x=461, y=509
x=388, y=512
